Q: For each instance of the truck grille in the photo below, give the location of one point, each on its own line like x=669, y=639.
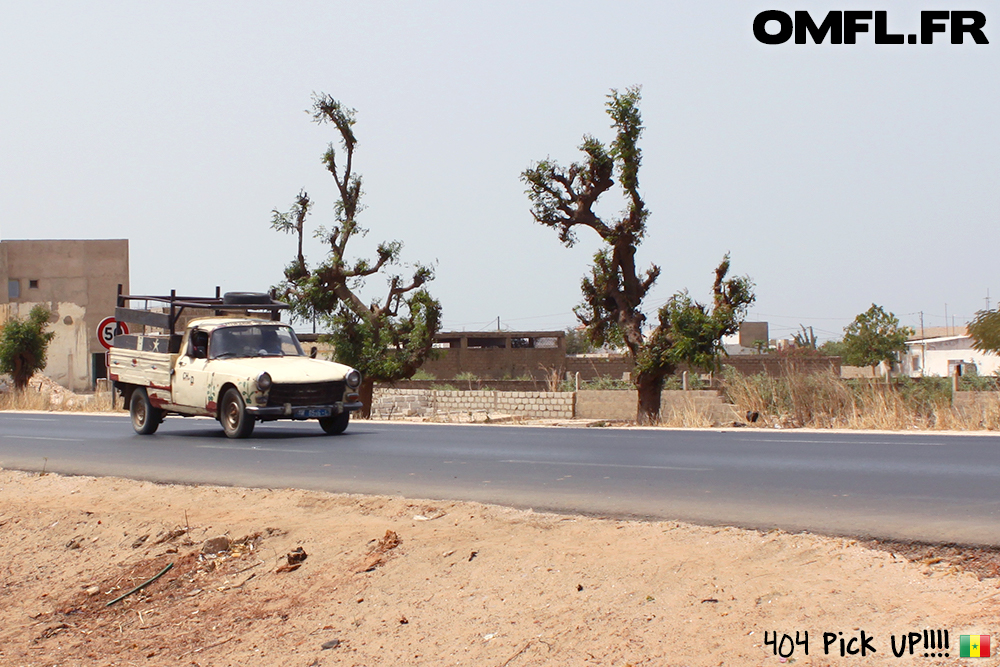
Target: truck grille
x=312, y=393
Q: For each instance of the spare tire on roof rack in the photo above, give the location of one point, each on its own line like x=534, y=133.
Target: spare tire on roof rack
x=246, y=298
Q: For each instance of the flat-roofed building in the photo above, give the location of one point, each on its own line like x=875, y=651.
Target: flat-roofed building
x=77, y=280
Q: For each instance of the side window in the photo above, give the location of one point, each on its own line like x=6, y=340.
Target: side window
x=198, y=345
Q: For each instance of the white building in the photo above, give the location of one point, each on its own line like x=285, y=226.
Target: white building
x=938, y=352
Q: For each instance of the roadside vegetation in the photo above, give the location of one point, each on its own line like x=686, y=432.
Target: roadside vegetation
x=24, y=345
x=42, y=393
x=823, y=400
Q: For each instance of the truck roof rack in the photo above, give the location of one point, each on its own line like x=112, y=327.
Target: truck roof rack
x=239, y=301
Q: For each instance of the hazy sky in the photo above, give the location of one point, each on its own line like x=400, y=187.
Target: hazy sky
x=837, y=176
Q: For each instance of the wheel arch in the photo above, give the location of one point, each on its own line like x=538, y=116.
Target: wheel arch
x=226, y=386
x=126, y=390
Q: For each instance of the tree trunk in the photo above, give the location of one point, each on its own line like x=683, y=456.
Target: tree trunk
x=366, y=392
x=650, y=385
x=24, y=368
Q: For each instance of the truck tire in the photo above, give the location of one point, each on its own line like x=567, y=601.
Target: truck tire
x=145, y=418
x=336, y=424
x=233, y=415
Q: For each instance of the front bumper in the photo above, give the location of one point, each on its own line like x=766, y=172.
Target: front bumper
x=288, y=410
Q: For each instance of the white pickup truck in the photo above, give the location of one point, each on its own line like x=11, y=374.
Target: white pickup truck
x=230, y=366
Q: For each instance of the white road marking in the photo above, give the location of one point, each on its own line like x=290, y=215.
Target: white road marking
x=603, y=465
x=260, y=449
x=38, y=437
x=848, y=442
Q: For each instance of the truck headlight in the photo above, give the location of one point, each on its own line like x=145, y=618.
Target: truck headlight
x=264, y=381
x=353, y=379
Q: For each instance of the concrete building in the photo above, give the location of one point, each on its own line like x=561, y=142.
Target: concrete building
x=77, y=280
x=498, y=354
x=941, y=349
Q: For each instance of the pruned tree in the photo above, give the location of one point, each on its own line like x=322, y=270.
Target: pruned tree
x=386, y=338
x=873, y=337
x=686, y=332
x=805, y=339
x=24, y=344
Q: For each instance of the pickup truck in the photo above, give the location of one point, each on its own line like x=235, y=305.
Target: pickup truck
x=230, y=366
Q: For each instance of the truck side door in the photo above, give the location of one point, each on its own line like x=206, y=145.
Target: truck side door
x=190, y=385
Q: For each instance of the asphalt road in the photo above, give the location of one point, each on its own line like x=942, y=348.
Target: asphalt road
x=906, y=486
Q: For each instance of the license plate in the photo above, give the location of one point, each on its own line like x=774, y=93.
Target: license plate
x=310, y=413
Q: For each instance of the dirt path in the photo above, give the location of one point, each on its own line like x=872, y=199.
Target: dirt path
x=390, y=581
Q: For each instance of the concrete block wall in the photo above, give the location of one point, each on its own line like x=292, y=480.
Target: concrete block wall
x=534, y=404
x=620, y=405
x=390, y=403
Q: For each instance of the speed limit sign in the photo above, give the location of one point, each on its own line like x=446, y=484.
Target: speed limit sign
x=108, y=329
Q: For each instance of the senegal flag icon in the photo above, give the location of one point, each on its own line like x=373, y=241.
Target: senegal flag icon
x=974, y=646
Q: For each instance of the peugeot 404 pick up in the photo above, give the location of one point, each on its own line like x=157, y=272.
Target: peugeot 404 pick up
x=240, y=365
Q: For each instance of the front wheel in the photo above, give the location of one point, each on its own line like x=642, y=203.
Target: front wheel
x=145, y=418
x=233, y=415
x=336, y=424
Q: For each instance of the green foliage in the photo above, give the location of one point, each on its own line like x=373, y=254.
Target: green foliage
x=973, y=381
x=421, y=374
x=833, y=348
x=920, y=394
x=467, y=376
x=873, y=337
x=382, y=348
x=386, y=339
x=695, y=331
x=606, y=382
x=985, y=331
x=578, y=342
x=23, y=345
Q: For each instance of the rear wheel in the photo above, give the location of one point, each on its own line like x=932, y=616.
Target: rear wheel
x=145, y=418
x=233, y=415
x=336, y=424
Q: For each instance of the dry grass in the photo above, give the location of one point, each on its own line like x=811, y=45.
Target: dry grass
x=823, y=400
x=44, y=394
x=691, y=414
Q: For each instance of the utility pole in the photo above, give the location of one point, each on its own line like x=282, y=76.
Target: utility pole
x=923, y=346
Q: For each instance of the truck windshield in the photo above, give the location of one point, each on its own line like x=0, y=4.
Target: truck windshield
x=253, y=341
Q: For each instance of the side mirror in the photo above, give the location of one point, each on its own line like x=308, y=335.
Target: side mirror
x=313, y=352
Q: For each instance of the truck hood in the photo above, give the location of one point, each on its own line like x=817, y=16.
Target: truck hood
x=295, y=370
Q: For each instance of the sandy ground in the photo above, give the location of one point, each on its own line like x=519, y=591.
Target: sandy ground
x=391, y=581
